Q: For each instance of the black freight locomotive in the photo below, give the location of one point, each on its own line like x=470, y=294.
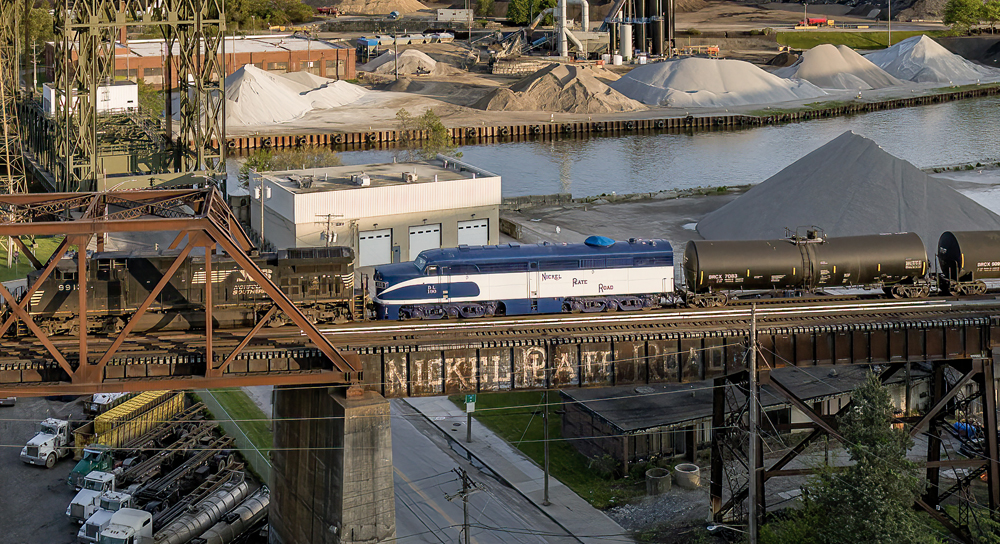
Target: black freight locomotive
x=320, y=281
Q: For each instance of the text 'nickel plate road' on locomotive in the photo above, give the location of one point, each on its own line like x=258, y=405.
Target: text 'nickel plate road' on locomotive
x=320, y=281
x=512, y=279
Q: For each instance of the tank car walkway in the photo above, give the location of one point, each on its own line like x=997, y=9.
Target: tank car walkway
x=588, y=524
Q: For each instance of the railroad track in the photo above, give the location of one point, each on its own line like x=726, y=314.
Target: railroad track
x=367, y=335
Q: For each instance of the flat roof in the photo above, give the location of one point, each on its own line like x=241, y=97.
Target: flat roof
x=276, y=43
x=338, y=178
x=636, y=408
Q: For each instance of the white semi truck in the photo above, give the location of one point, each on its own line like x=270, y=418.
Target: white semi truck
x=53, y=441
x=128, y=526
x=86, y=501
x=111, y=502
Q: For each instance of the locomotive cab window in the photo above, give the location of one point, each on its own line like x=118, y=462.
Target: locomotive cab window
x=431, y=271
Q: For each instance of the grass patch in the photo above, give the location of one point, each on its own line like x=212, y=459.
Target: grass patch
x=811, y=106
x=247, y=416
x=46, y=246
x=960, y=88
x=517, y=418
x=855, y=40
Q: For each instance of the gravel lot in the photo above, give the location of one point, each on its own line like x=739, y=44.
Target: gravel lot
x=33, y=500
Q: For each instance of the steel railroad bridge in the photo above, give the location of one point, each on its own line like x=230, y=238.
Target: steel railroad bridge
x=390, y=359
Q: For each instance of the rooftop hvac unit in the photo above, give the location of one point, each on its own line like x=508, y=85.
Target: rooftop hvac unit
x=362, y=179
x=409, y=177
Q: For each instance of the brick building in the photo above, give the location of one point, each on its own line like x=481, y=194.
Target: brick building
x=143, y=59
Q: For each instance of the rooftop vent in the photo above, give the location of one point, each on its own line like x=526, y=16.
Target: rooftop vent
x=362, y=179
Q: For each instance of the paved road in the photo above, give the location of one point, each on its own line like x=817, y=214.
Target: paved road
x=423, y=462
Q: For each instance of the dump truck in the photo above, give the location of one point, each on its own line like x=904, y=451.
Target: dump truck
x=128, y=525
x=128, y=420
x=110, y=502
x=86, y=501
x=53, y=441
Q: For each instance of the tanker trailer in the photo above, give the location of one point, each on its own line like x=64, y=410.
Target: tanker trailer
x=966, y=259
x=894, y=262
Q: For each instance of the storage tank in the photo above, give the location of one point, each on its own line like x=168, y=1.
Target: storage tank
x=657, y=33
x=806, y=263
x=205, y=514
x=625, y=48
x=237, y=522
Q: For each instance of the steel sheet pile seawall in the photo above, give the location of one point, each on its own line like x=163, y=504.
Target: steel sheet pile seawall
x=784, y=264
x=969, y=255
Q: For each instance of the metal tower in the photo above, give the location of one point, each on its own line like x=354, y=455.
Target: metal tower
x=12, y=179
x=87, y=30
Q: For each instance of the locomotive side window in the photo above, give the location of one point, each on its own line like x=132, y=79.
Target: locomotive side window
x=563, y=264
x=431, y=271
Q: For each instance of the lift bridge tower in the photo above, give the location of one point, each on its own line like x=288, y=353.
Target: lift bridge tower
x=12, y=178
x=191, y=131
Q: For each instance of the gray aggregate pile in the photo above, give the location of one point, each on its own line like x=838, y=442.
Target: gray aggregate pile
x=848, y=187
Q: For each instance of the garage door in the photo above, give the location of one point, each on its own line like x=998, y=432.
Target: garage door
x=375, y=247
x=424, y=237
x=474, y=233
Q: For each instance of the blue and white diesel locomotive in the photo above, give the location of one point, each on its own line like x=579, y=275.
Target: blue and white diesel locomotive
x=512, y=279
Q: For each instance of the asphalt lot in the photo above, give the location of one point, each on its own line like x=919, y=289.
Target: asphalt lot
x=33, y=500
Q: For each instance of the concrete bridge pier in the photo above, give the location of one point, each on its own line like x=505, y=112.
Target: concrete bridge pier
x=331, y=481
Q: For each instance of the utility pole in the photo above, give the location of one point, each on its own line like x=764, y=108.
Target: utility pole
x=752, y=495
x=889, y=23
x=329, y=217
x=545, y=423
x=467, y=488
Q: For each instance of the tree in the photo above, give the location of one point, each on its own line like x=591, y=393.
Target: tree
x=991, y=12
x=963, y=14
x=265, y=160
x=870, y=500
x=429, y=124
x=40, y=24
x=522, y=12
x=484, y=8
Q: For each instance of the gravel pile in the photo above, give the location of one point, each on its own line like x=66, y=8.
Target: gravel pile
x=378, y=7
x=410, y=61
x=838, y=67
x=700, y=82
x=255, y=97
x=922, y=59
x=674, y=506
x=559, y=88
x=848, y=187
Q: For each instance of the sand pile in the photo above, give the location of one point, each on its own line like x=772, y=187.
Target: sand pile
x=561, y=88
x=838, y=67
x=699, y=82
x=410, y=61
x=848, y=187
x=378, y=7
x=922, y=59
x=255, y=97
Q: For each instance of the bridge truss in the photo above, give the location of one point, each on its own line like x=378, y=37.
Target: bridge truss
x=201, y=221
x=731, y=469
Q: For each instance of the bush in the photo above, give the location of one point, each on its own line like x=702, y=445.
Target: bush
x=605, y=466
x=637, y=471
x=755, y=32
x=693, y=32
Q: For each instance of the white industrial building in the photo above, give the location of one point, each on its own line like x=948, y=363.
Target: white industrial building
x=117, y=97
x=386, y=212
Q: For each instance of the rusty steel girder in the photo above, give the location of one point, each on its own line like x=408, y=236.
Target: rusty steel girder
x=203, y=220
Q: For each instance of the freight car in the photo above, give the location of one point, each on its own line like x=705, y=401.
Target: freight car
x=320, y=281
x=896, y=263
x=512, y=279
x=966, y=259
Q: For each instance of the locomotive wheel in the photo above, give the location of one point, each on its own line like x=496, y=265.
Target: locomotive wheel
x=451, y=312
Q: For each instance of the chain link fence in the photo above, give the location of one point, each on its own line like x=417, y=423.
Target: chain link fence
x=256, y=459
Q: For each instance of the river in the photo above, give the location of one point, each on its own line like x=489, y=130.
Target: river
x=965, y=131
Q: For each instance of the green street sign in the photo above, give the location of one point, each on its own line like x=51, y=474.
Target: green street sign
x=470, y=399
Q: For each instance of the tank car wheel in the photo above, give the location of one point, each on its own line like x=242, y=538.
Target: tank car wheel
x=50, y=461
x=979, y=289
